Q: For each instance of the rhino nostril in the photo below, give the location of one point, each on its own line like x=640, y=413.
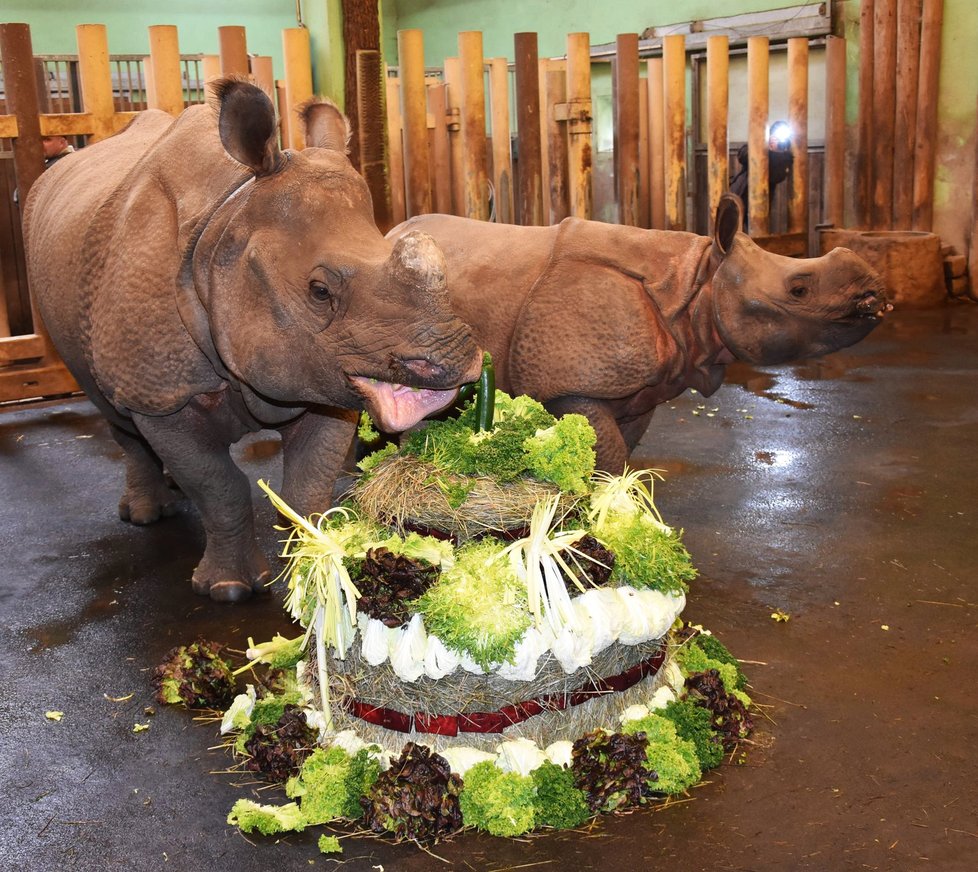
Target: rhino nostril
x=424, y=368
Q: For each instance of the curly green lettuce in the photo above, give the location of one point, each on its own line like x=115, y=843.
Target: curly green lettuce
x=321, y=785
x=673, y=759
x=558, y=802
x=695, y=724
x=645, y=555
x=563, y=454
x=268, y=820
x=501, y=803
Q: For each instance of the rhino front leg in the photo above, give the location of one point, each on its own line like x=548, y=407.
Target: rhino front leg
x=612, y=452
x=194, y=445
x=147, y=496
x=314, y=449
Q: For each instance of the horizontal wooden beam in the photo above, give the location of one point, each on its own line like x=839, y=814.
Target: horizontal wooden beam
x=787, y=244
x=67, y=124
x=35, y=382
x=27, y=347
x=8, y=126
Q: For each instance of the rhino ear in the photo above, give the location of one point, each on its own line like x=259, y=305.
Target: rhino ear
x=246, y=122
x=730, y=215
x=325, y=126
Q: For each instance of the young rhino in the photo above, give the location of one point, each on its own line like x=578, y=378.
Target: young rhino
x=609, y=321
x=200, y=284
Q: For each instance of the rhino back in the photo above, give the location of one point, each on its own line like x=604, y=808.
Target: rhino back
x=105, y=242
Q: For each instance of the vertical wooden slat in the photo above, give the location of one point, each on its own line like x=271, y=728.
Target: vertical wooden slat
x=905, y=128
x=414, y=118
x=165, y=70
x=718, y=107
x=973, y=249
x=884, y=111
x=758, y=199
x=864, y=148
x=473, y=120
x=395, y=151
x=502, y=155
x=440, y=151
x=579, y=148
x=210, y=67
x=926, y=138
x=371, y=126
x=643, y=152
x=453, y=79
x=657, y=177
x=557, y=171
x=798, y=119
x=298, y=77
x=96, y=78
x=528, y=134
x=282, y=104
x=234, y=50
x=625, y=101
x=262, y=73
x=20, y=85
x=546, y=111
x=835, y=130
x=674, y=79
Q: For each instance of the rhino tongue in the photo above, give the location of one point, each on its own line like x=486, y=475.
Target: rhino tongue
x=395, y=408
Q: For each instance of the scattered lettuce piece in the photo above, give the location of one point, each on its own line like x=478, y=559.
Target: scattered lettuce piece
x=501, y=803
x=329, y=845
x=267, y=819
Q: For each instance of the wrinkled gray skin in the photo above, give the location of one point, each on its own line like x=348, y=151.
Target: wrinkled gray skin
x=609, y=321
x=200, y=284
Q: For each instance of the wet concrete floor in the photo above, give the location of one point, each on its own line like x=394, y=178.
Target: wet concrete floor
x=839, y=492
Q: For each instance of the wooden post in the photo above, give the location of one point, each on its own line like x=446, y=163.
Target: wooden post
x=371, y=124
x=440, y=151
x=298, y=78
x=579, y=148
x=557, y=172
x=657, y=142
x=758, y=189
x=96, y=79
x=395, y=151
x=926, y=139
x=530, y=209
x=210, y=67
x=798, y=119
x=864, y=147
x=546, y=113
x=905, y=129
x=414, y=118
x=234, y=51
x=643, y=152
x=165, y=69
x=262, y=73
x=718, y=104
x=973, y=250
x=674, y=74
x=282, y=104
x=625, y=99
x=453, y=79
x=884, y=112
x=502, y=157
x=835, y=130
x=20, y=85
x=473, y=118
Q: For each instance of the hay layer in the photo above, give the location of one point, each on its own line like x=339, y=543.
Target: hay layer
x=410, y=494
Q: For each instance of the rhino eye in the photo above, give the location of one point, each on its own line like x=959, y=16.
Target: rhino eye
x=798, y=291
x=320, y=292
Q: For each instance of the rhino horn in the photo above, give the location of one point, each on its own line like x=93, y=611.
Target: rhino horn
x=246, y=123
x=418, y=262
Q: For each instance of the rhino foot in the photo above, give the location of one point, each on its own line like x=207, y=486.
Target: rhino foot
x=149, y=505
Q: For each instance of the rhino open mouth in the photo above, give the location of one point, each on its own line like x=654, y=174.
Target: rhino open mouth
x=395, y=408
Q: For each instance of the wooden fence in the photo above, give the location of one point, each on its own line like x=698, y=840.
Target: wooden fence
x=92, y=97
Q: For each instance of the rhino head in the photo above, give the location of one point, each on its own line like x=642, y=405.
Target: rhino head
x=305, y=300
x=770, y=309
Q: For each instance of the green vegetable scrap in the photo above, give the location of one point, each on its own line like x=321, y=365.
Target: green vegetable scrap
x=558, y=802
x=329, y=845
x=381, y=454
x=645, y=555
x=478, y=606
x=195, y=676
x=485, y=394
x=671, y=758
x=266, y=819
x=320, y=785
x=501, y=803
x=279, y=653
x=695, y=723
x=366, y=432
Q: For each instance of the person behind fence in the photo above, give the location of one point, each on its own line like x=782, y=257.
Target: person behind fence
x=779, y=162
x=55, y=148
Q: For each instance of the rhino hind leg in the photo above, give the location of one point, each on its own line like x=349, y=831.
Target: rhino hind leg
x=195, y=450
x=148, y=495
x=611, y=449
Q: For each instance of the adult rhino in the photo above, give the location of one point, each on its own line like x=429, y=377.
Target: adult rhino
x=609, y=321
x=200, y=284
